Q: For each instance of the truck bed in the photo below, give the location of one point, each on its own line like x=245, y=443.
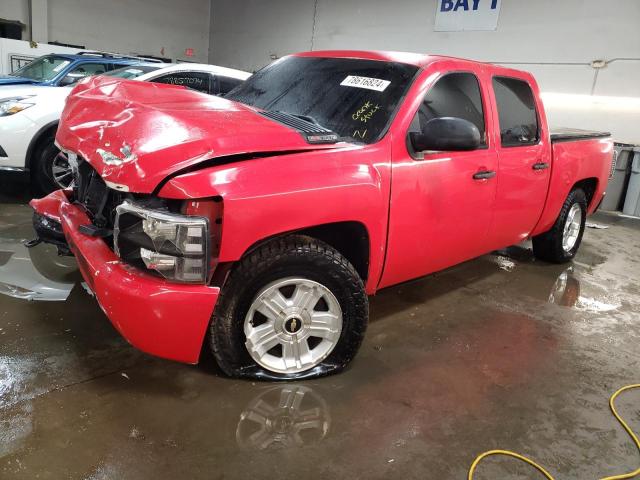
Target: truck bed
x=574, y=134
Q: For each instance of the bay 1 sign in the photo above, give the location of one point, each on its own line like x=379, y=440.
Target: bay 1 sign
x=461, y=15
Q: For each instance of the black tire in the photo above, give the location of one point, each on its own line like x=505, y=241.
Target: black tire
x=41, y=167
x=548, y=246
x=294, y=255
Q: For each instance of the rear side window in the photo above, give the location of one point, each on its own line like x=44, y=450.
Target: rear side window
x=83, y=70
x=115, y=66
x=516, y=112
x=194, y=80
x=454, y=95
x=227, y=84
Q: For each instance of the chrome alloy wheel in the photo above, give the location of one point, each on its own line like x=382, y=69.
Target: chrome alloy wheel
x=61, y=171
x=572, y=226
x=292, y=325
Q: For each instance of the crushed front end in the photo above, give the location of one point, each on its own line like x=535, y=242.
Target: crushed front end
x=147, y=259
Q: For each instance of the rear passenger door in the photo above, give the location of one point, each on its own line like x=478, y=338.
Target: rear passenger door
x=523, y=162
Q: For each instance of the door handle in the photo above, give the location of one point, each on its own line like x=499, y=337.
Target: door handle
x=540, y=166
x=484, y=175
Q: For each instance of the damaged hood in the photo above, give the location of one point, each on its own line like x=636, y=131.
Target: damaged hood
x=136, y=134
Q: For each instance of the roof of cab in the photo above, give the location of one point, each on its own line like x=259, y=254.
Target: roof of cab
x=420, y=60
x=417, y=59
x=93, y=58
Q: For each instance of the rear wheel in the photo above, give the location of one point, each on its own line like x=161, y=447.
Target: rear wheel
x=50, y=169
x=294, y=308
x=561, y=243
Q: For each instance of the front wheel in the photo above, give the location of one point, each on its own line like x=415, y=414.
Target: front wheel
x=294, y=308
x=561, y=243
x=51, y=169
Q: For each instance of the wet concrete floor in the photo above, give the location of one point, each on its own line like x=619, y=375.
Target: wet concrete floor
x=499, y=352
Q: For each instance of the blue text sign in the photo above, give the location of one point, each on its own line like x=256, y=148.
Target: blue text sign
x=461, y=15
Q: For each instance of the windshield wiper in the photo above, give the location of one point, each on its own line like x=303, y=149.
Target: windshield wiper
x=306, y=118
x=310, y=129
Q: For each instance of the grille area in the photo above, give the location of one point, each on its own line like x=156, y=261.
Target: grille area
x=92, y=193
x=99, y=202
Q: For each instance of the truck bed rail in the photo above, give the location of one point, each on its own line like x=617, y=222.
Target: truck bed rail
x=574, y=134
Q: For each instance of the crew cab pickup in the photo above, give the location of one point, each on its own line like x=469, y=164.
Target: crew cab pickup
x=259, y=223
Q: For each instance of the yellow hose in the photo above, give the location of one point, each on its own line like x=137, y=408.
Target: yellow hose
x=538, y=467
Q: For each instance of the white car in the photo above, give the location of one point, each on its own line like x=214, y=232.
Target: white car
x=29, y=116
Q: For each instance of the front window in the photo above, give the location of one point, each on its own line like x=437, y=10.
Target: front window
x=81, y=71
x=454, y=95
x=355, y=98
x=43, y=69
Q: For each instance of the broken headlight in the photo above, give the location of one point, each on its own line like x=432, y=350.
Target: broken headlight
x=175, y=246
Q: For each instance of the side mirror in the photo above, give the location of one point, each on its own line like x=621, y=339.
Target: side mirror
x=71, y=79
x=446, y=134
x=67, y=81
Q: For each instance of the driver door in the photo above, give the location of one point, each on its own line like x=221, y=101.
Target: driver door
x=442, y=202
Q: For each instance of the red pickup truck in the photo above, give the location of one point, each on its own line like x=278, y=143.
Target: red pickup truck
x=259, y=223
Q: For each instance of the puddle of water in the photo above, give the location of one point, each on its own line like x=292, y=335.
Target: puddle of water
x=35, y=274
x=596, y=306
x=289, y=416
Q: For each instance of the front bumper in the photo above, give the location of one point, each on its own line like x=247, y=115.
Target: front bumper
x=161, y=318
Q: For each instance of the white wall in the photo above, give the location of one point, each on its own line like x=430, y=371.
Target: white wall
x=22, y=48
x=245, y=33
x=555, y=40
x=153, y=27
x=133, y=26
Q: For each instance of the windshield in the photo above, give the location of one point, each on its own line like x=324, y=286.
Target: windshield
x=132, y=72
x=355, y=98
x=43, y=69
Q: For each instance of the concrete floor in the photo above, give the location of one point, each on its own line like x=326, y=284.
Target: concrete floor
x=499, y=352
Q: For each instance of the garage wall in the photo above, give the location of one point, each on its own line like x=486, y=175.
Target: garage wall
x=125, y=26
x=133, y=26
x=557, y=41
x=246, y=33
x=15, y=10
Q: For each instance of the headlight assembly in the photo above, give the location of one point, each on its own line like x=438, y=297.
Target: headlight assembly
x=10, y=106
x=175, y=246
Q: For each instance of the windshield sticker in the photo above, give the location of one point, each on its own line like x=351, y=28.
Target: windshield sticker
x=61, y=66
x=366, y=82
x=365, y=112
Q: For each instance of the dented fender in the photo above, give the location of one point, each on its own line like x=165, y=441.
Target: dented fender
x=270, y=196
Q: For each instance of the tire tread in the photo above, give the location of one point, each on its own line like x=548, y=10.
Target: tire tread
x=304, y=249
x=548, y=245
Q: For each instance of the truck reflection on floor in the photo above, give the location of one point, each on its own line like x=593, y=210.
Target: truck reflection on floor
x=286, y=416
x=35, y=274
